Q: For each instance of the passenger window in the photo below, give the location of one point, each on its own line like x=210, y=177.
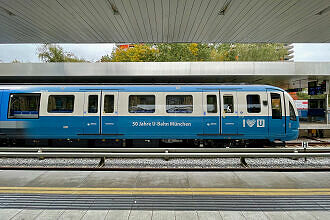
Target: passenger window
x=293, y=116
x=228, y=103
x=24, y=106
x=60, y=103
x=179, y=104
x=141, y=104
x=212, y=104
x=253, y=103
x=276, y=106
x=109, y=103
x=93, y=103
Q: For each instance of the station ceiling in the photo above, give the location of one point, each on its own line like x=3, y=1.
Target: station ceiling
x=124, y=21
x=282, y=74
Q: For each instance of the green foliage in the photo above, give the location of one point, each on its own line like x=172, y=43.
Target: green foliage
x=183, y=52
x=251, y=52
x=225, y=52
x=16, y=61
x=189, y=52
x=105, y=58
x=304, y=95
x=49, y=53
x=138, y=53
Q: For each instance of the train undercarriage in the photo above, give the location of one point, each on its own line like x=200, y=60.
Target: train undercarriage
x=136, y=143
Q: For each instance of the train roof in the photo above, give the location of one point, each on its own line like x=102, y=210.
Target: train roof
x=137, y=88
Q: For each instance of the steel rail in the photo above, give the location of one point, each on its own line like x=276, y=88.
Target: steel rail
x=159, y=155
x=168, y=150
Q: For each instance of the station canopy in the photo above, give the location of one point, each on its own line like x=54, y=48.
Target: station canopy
x=287, y=75
x=148, y=21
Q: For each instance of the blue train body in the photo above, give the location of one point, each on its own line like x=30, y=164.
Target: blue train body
x=160, y=112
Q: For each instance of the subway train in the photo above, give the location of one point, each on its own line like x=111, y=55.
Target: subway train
x=146, y=115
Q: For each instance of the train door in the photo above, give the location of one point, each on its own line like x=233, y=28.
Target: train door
x=229, y=112
x=0, y=102
x=211, y=119
x=91, y=119
x=276, y=112
x=252, y=114
x=109, y=113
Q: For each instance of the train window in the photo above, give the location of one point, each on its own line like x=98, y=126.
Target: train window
x=179, y=104
x=24, y=106
x=141, y=104
x=212, y=104
x=109, y=103
x=228, y=103
x=93, y=103
x=276, y=106
x=60, y=104
x=293, y=116
x=253, y=103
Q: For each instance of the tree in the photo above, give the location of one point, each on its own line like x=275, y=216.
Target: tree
x=189, y=52
x=138, y=53
x=163, y=52
x=15, y=61
x=49, y=53
x=224, y=52
x=105, y=58
x=251, y=52
x=183, y=52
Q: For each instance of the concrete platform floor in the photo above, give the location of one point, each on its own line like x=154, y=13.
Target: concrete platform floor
x=163, y=195
x=162, y=179
x=20, y=214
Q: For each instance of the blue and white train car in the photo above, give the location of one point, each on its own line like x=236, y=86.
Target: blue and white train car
x=203, y=114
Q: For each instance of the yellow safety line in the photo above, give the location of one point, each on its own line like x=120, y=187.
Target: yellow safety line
x=163, y=193
x=163, y=189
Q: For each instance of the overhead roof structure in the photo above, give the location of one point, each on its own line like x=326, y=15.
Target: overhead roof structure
x=282, y=74
x=116, y=21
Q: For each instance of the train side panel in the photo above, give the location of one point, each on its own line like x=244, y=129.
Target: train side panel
x=237, y=114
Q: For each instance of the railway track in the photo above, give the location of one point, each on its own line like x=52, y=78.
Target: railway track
x=110, y=154
x=163, y=152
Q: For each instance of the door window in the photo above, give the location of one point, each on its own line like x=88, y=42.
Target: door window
x=228, y=104
x=293, y=116
x=212, y=104
x=276, y=106
x=109, y=103
x=93, y=103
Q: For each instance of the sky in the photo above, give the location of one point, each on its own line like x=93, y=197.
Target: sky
x=27, y=53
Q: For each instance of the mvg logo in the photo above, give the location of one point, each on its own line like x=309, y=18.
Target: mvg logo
x=251, y=122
